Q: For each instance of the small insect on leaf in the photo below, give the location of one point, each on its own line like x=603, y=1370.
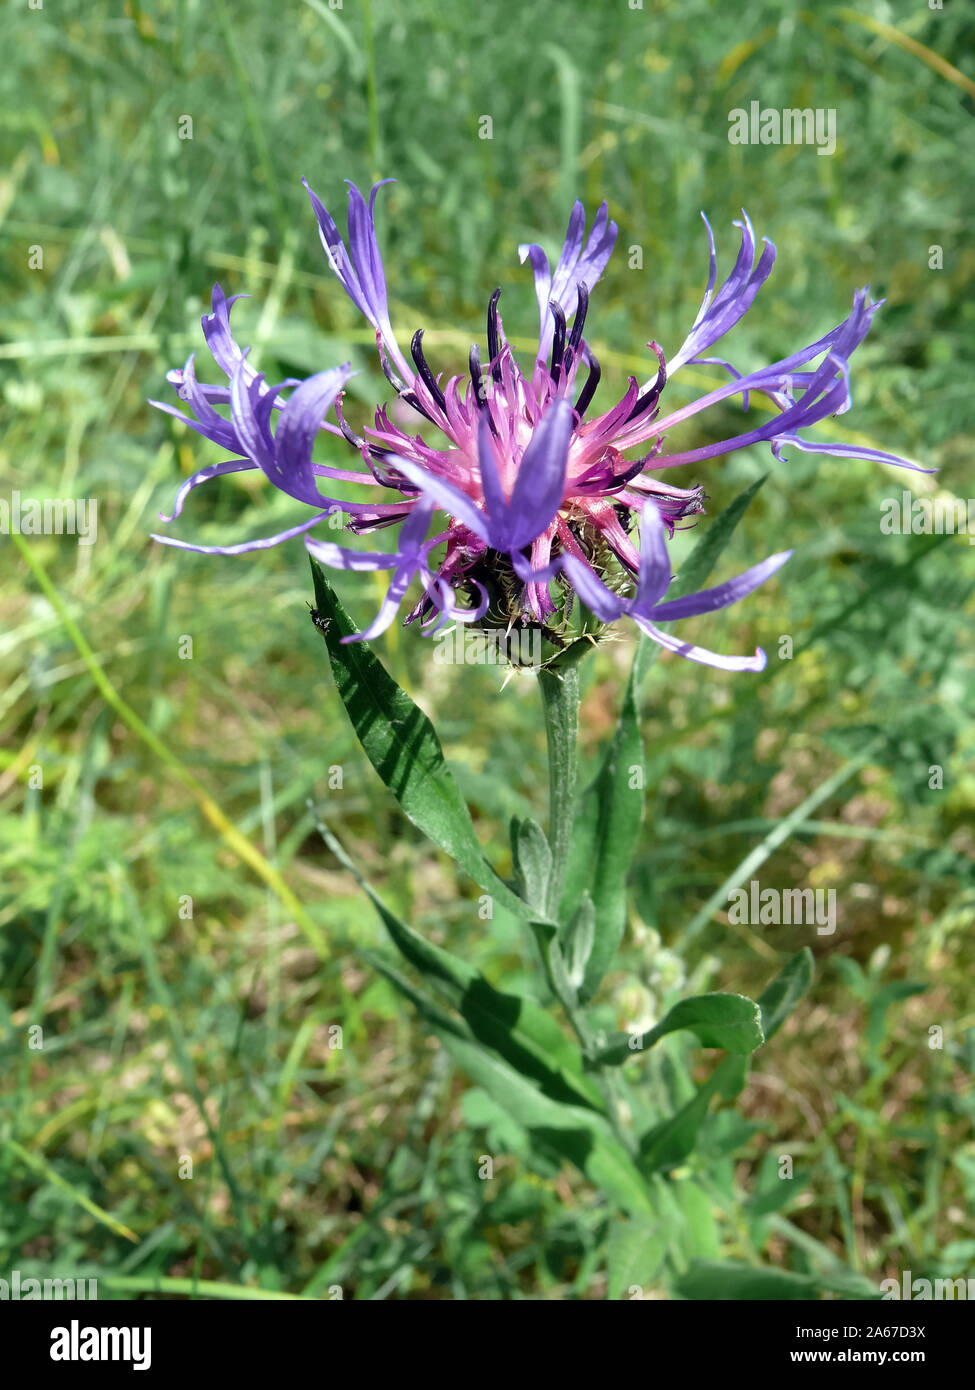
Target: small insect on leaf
x=319, y=619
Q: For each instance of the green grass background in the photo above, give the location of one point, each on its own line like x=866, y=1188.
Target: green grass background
x=314, y=1166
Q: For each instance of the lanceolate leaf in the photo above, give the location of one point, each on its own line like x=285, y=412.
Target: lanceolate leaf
x=702, y=1239
x=533, y=861
x=403, y=747
x=436, y=1019
x=668, y=1144
x=569, y=1131
x=515, y=1027
x=576, y=941
x=635, y=1252
x=582, y=854
x=729, y=1021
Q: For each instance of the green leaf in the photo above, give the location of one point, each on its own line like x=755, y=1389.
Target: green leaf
x=670, y=1142
x=701, y=1237
x=515, y=1027
x=778, y=1000
x=566, y=1131
x=729, y=1021
x=533, y=861
x=565, y=990
x=729, y=1279
x=570, y=1132
x=575, y=942
x=582, y=853
x=436, y=1019
x=403, y=747
x=667, y=1145
x=635, y=1251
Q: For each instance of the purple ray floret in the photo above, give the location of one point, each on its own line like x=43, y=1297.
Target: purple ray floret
x=541, y=493
x=654, y=580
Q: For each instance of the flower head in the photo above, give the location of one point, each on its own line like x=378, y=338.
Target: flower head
x=539, y=492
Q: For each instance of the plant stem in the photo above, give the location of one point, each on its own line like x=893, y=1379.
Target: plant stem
x=560, y=701
x=559, y=688
x=606, y=1077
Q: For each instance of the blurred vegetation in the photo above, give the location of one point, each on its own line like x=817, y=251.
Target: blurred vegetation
x=209, y=1035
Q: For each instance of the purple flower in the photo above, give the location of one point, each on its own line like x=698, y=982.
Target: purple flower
x=538, y=491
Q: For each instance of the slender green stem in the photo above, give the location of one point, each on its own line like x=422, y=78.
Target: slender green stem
x=606, y=1077
x=559, y=688
x=560, y=701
